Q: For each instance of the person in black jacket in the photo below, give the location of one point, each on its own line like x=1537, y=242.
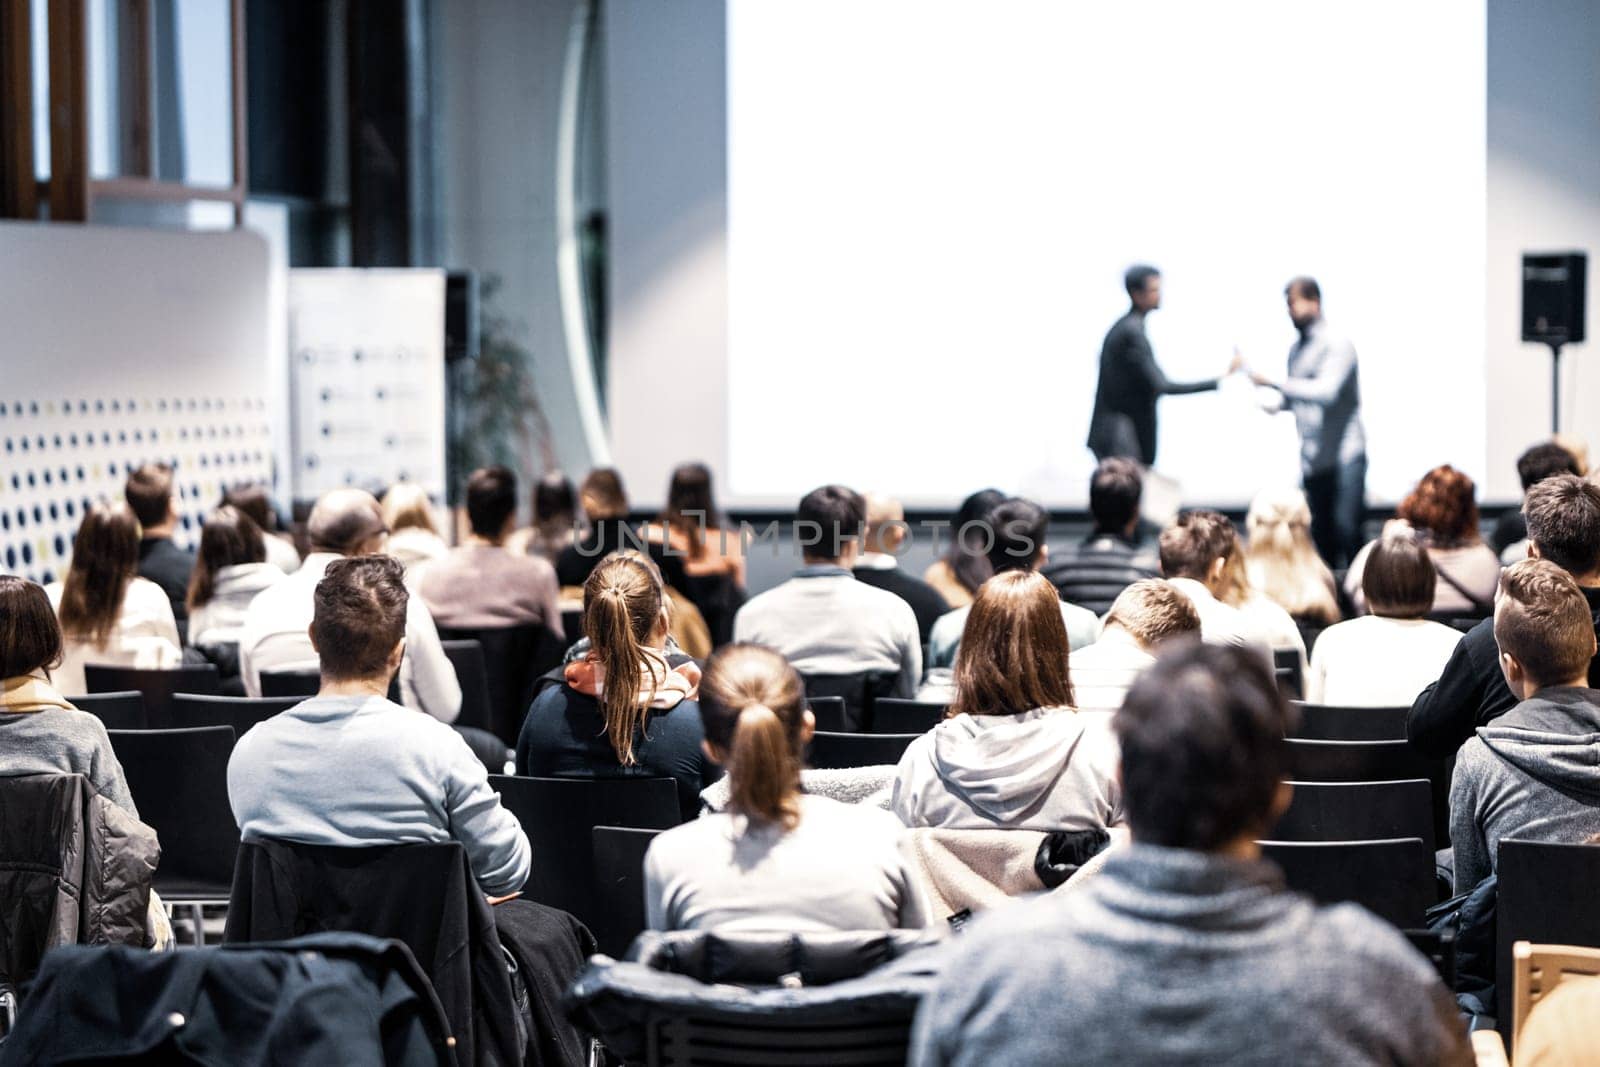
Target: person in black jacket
x=1563, y=514
x=1096, y=570
x=879, y=565
x=1124, y=419
x=149, y=494
x=1535, y=465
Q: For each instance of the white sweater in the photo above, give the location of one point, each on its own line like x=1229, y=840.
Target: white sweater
x=145, y=636
x=1373, y=662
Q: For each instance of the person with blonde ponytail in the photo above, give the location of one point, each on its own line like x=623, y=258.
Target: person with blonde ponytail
x=1282, y=561
x=777, y=858
x=627, y=707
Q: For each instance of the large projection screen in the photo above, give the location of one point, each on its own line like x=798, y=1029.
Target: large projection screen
x=930, y=204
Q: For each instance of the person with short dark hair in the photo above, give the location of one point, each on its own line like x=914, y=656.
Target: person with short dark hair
x=1383, y=660
x=348, y=767
x=1544, y=460
x=231, y=570
x=1016, y=531
x=1095, y=571
x=879, y=563
x=1531, y=773
x=1188, y=932
x=481, y=585
x=823, y=620
x=1563, y=513
x=1143, y=617
x=555, y=519
x=1131, y=382
x=1195, y=551
x=149, y=494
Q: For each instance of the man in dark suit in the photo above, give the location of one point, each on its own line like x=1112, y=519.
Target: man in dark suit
x=878, y=565
x=1124, y=420
x=149, y=495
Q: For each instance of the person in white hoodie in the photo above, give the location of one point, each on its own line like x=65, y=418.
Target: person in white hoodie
x=230, y=570
x=1013, y=755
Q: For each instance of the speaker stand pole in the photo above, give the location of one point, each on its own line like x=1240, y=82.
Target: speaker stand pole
x=1555, y=387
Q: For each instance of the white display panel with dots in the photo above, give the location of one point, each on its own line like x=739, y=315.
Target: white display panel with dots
x=124, y=346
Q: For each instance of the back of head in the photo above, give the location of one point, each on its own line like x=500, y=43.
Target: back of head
x=1137, y=277
x=105, y=558
x=1542, y=618
x=882, y=510
x=1194, y=542
x=753, y=706
x=491, y=500
x=30, y=637
x=149, y=494
x=1153, y=611
x=1114, y=493
x=1444, y=506
x=968, y=556
x=253, y=501
x=228, y=539
x=1399, y=578
x=359, y=616
x=828, y=518
x=622, y=608
x=342, y=520
x=602, y=495
x=1017, y=530
x=554, y=499
x=691, y=500
x=1563, y=513
x=1282, y=558
x=1013, y=652
x=1542, y=461
x=405, y=507
x=1203, y=750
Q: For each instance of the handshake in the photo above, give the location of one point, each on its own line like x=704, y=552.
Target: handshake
x=1238, y=364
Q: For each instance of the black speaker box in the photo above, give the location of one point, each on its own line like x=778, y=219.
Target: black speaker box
x=1553, y=297
x=461, y=315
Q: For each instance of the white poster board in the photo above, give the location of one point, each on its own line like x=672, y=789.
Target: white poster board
x=367, y=381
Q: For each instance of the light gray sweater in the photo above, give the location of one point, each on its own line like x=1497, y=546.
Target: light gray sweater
x=63, y=741
x=1171, y=956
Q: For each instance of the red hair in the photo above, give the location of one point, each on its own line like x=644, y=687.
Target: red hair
x=1443, y=504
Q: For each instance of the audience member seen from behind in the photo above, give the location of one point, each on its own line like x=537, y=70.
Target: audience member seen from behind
x=254, y=502
x=348, y=767
x=627, y=708
x=555, y=519
x=777, y=858
x=605, y=506
x=1012, y=754
x=1194, y=558
x=1531, y=773
x=1563, y=514
x=1093, y=572
x=343, y=523
x=110, y=615
x=879, y=562
x=1383, y=660
x=1145, y=615
x=1510, y=536
x=231, y=569
x=1017, y=531
x=824, y=621
x=1443, y=511
x=1190, y=912
x=149, y=495
x=695, y=530
x=1270, y=623
x=964, y=566
x=40, y=731
x=413, y=536
x=1282, y=562
x=479, y=584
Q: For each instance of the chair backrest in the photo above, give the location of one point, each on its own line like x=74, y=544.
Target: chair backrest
x=290, y=683
x=179, y=780
x=513, y=658
x=241, y=713
x=1286, y=668
x=896, y=715
x=473, y=673
x=859, y=691
x=619, y=885
x=1544, y=896
x=118, y=711
x=158, y=686
x=829, y=712
x=719, y=600
x=1373, y=761
x=559, y=816
x=830, y=750
x=1358, y=811
x=1537, y=969
x=1393, y=879
x=1327, y=722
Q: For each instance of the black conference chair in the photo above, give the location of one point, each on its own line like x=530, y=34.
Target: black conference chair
x=467, y=659
x=572, y=626
x=179, y=780
x=1393, y=879
x=718, y=599
x=300, y=684
x=1328, y=722
x=158, y=686
x=559, y=816
x=1545, y=896
x=1286, y=668
x=895, y=715
x=241, y=713
x=1358, y=811
x=513, y=658
x=859, y=691
x=829, y=713
x=829, y=750
x=619, y=885
x=1373, y=761
x=118, y=711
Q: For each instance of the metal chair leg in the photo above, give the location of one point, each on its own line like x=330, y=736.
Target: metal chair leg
x=197, y=912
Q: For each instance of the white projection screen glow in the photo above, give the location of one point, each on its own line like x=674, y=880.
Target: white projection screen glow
x=930, y=205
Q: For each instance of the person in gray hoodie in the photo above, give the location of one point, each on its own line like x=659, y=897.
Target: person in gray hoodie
x=1013, y=755
x=1533, y=773
x=1186, y=947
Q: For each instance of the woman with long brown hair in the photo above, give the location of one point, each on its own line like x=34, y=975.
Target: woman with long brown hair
x=230, y=569
x=1013, y=753
x=693, y=527
x=776, y=858
x=627, y=707
x=108, y=613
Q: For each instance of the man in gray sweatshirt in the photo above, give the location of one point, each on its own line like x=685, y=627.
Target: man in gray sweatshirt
x=1533, y=773
x=1186, y=947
